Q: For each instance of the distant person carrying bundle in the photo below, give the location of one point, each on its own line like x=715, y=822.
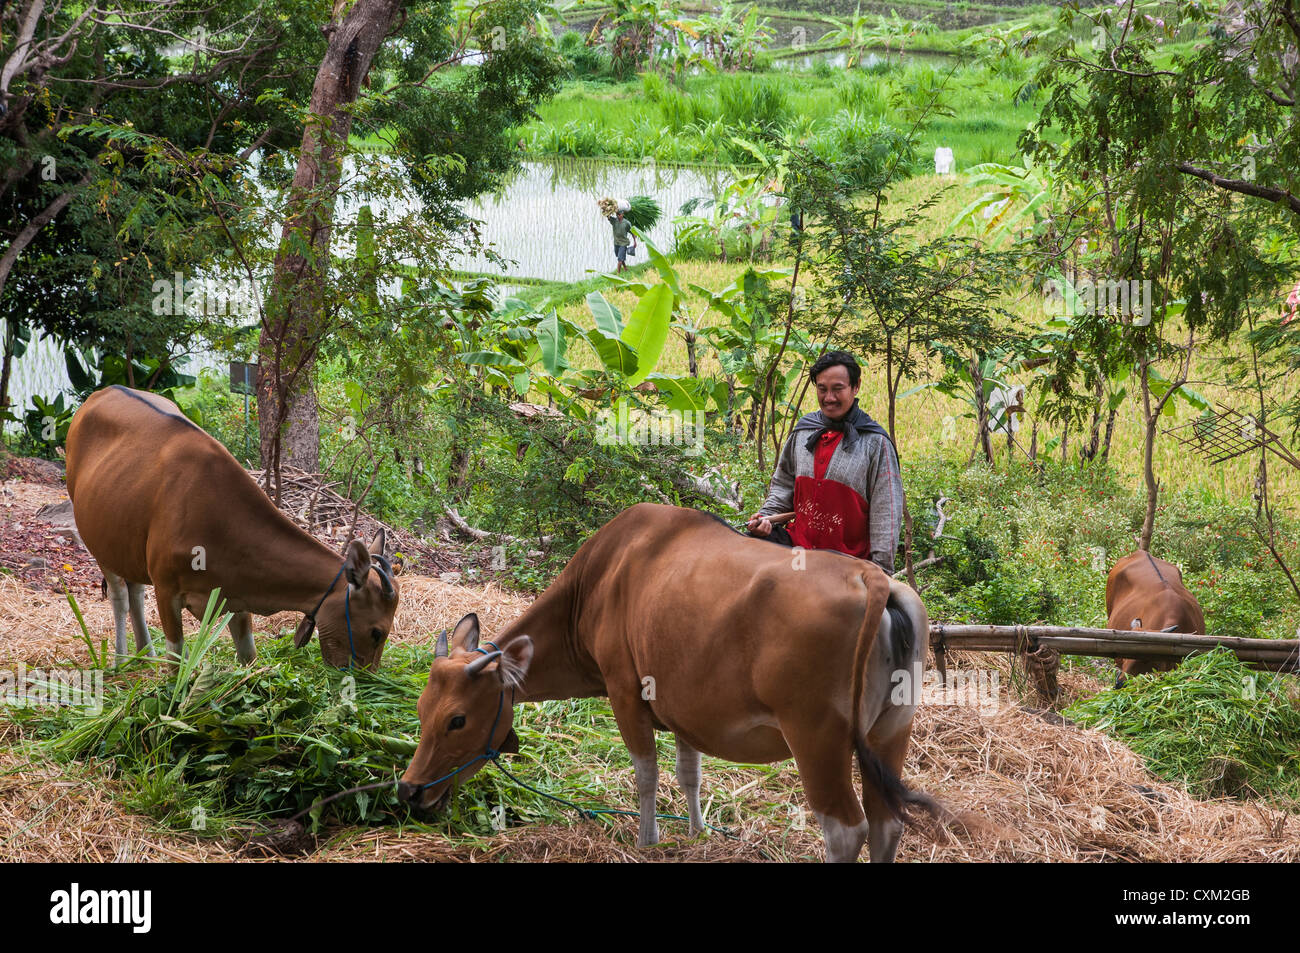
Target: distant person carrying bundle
x=640, y=212
x=623, y=238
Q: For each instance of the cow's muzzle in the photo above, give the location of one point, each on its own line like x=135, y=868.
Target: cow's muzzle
x=419, y=798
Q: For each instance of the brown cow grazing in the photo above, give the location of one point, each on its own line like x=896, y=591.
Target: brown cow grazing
x=743, y=649
x=1147, y=594
x=159, y=502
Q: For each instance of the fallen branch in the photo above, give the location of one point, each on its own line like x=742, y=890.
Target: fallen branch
x=928, y=561
x=476, y=533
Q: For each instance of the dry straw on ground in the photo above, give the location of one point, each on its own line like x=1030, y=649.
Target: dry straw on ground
x=1022, y=787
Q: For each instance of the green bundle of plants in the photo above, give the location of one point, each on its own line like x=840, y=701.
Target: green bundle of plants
x=1214, y=723
x=224, y=741
x=644, y=212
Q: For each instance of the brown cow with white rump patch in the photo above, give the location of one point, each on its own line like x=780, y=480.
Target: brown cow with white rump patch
x=159, y=502
x=744, y=649
x=1147, y=594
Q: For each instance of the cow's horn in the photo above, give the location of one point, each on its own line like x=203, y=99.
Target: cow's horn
x=476, y=666
x=385, y=570
x=302, y=635
x=440, y=650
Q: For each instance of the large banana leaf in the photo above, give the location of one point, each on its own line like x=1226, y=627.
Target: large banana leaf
x=551, y=339
x=614, y=354
x=680, y=393
x=647, y=330
x=608, y=319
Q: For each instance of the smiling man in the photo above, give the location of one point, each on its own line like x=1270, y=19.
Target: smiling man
x=839, y=473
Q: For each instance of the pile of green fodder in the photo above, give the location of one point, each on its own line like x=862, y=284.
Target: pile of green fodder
x=221, y=741
x=221, y=744
x=1214, y=723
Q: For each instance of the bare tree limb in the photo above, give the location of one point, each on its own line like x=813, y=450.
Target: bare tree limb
x=1277, y=196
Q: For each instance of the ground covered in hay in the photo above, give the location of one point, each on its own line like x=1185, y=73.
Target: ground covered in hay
x=1022, y=784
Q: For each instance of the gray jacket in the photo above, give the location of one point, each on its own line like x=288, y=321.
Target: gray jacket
x=865, y=461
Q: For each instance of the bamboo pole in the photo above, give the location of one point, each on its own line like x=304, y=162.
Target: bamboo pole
x=1275, y=655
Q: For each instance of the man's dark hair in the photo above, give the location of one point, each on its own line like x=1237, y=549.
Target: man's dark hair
x=843, y=359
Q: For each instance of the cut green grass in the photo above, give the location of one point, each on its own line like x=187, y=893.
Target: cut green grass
x=1214, y=724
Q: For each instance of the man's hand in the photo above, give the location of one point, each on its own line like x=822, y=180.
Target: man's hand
x=759, y=525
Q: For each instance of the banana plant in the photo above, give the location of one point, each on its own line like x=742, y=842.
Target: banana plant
x=682, y=56
x=1012, y=193
x=741, y=209
x=856, y=33
x=534, y=352
x=748, y=344
x=727, y=39
x=682, y=321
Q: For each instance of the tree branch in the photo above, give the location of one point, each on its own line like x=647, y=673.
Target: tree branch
x=33, y=228
x=1276, y=196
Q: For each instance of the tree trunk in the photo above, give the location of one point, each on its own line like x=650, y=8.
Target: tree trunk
x=1148, y=468
x=1110, y=429
x=982, y=442
x=907, y=546
x=34, y=226
x=10, y=344
x=296, y=321
x=889, y=384
x=1094, y=437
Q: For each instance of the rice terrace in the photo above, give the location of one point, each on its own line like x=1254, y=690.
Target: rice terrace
x=803, y=430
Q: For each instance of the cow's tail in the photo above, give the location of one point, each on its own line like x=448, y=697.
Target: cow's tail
x=899, y=625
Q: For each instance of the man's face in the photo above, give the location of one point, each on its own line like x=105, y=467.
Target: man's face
x=835, y=395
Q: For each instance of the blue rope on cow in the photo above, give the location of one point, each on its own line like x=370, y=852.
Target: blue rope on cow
x=489, y=753
x=347, y=611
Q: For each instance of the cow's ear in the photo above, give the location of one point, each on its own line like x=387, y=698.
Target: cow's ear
x=515, y=659
x=465, y=636
x=377, y=544
x=511, y=744
x=357, y=564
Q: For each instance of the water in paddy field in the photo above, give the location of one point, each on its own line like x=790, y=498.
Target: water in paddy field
x=869, y=60
x=547, y=222
x=43, y=372
x=40, y=371
x=545, y=219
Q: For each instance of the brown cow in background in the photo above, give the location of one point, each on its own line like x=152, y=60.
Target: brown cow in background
x=1147, y=594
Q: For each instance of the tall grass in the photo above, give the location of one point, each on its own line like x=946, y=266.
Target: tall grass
x=649, y=117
